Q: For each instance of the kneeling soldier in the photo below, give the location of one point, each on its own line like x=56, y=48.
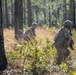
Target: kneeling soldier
x=30, y=35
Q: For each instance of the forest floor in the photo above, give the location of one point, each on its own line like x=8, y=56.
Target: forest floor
x=41, y=33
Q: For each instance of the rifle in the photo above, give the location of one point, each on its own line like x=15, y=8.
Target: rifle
x=71, y=44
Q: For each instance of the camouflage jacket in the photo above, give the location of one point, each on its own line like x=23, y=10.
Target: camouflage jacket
x=30, y=33
x=63, y=37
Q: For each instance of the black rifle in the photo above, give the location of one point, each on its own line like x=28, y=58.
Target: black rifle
x=71, y=44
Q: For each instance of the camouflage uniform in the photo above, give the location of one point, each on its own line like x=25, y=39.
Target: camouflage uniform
x=30, y=33
x=62, y=41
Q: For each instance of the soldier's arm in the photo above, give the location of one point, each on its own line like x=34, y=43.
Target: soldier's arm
x=67, y=35
x=27, y=34
x=33, y=34
x=71, y=43
x=69, y=39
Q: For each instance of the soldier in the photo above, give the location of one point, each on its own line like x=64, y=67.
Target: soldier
x=30, y=33
x=63, y=40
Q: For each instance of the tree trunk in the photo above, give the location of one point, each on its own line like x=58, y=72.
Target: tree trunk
x=72, y=12
x=44, y=12
x=24, y=20
x=36, y=12
x=29, y=13
x=58, y=13
x=49, y=16
x=3, y=7
x=18, y=19
x=12, y=11
x=3, y=60
x=7, y=18
x=64, y=6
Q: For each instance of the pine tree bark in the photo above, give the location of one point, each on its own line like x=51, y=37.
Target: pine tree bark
x=3, y=60
x=72, y=12
x=24, y=19
x=18, y=19
x=12, y=11
x=36, y=12
x=7, y=18
x=29, y=13
x=49, y=16
x=64, y=14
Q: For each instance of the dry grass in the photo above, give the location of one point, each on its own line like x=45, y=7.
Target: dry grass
x=41, y=33
x=46, y=33
x=9, y=39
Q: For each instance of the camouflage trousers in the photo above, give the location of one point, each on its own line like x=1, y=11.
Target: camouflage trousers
x=63, y=53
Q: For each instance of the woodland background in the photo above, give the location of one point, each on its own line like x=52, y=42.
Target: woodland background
x=37, y=59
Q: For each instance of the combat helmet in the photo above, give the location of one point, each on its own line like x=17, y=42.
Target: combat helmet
x=34, y=23
x=68, y=24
